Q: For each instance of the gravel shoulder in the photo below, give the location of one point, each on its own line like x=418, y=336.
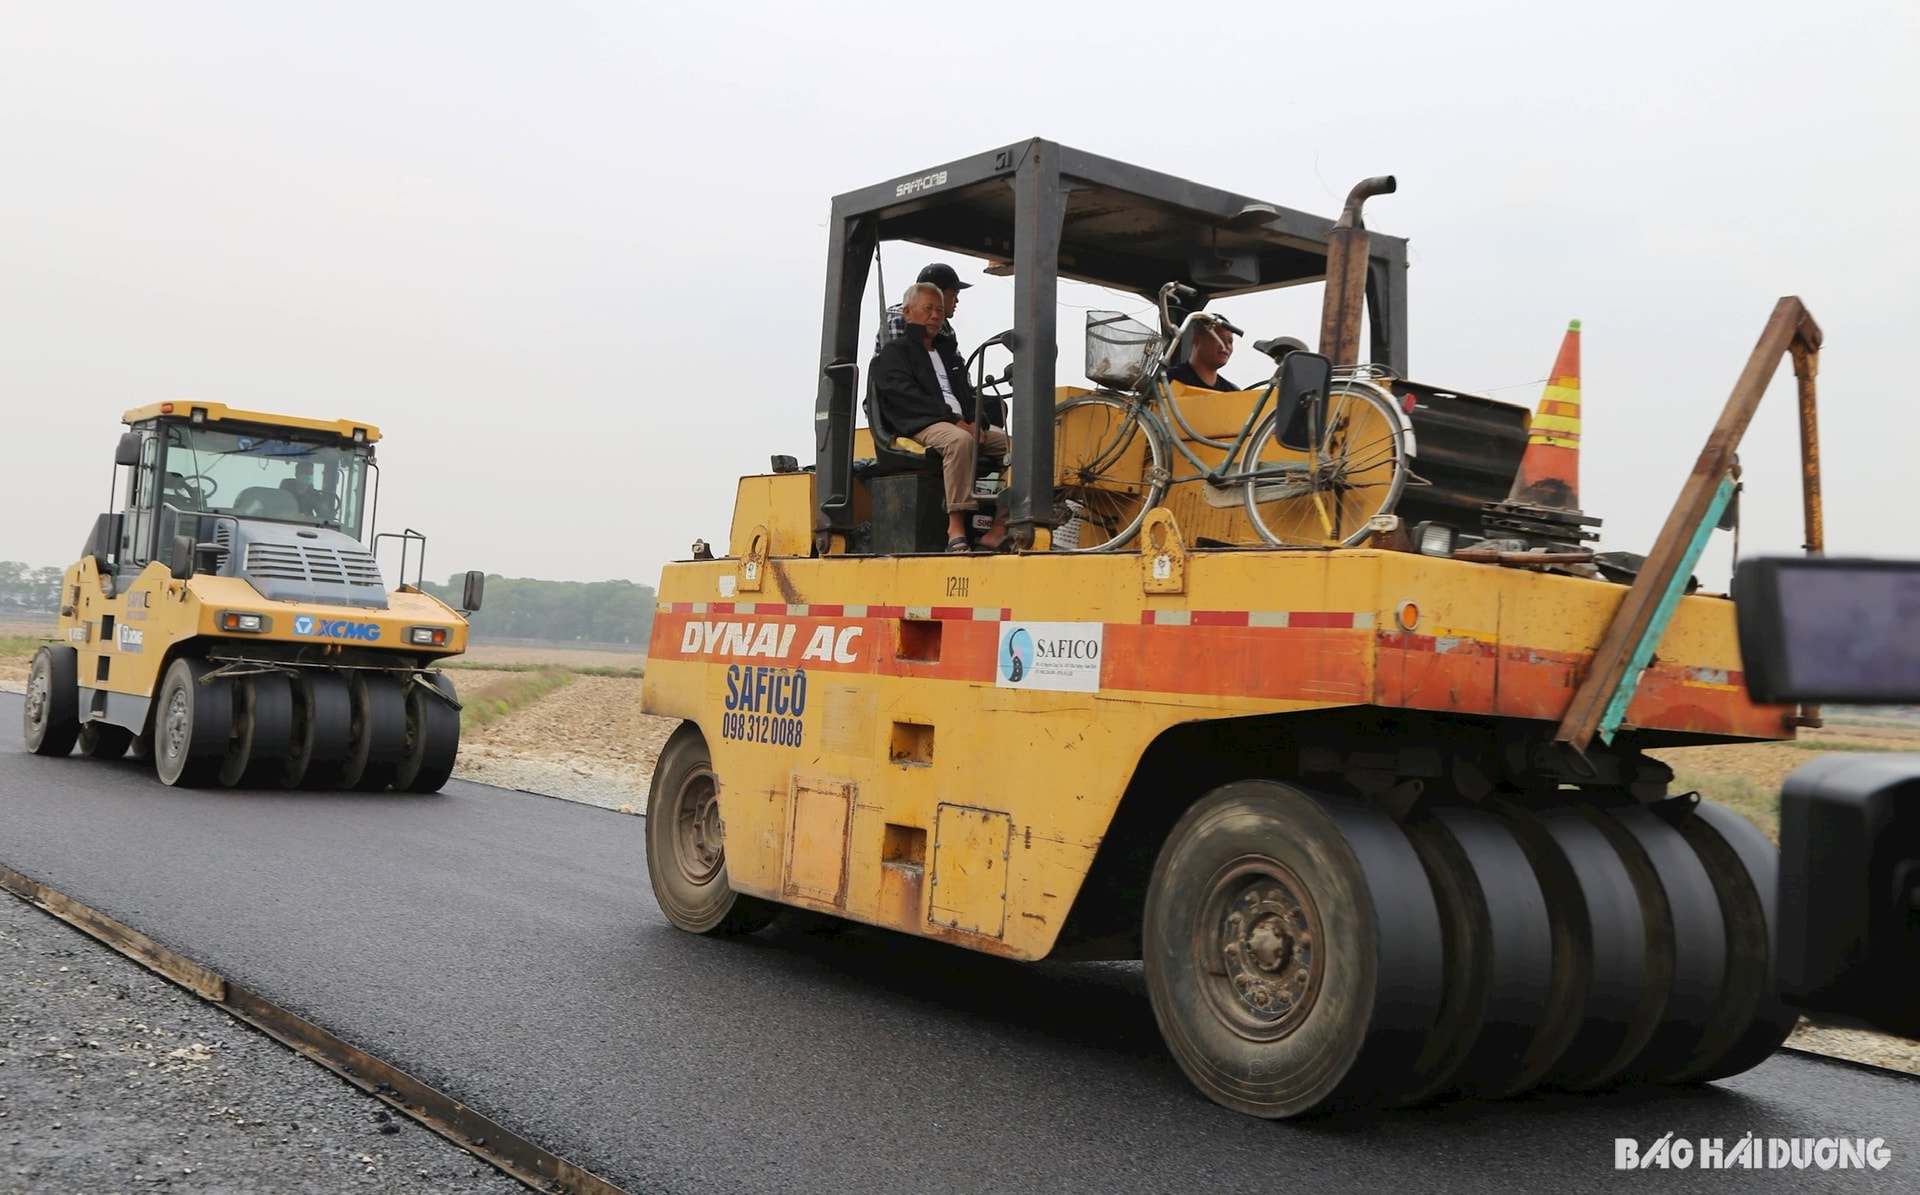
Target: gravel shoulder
x=114, y=1080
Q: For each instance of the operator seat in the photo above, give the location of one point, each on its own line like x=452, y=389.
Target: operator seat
x=265, y=502
x=905, y=486
x=895, y=453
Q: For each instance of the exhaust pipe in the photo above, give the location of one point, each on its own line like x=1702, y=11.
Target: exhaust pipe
x=1347, y=274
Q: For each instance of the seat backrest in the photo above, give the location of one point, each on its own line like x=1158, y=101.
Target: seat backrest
x=889, y=457
x=266, y=502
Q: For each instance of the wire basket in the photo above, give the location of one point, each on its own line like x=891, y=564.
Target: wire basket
x=1118, y=348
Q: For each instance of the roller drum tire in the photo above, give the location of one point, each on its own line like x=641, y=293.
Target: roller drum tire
x=104, y=740
x=1484, y=882
x=433, y=737
x=1599, y=946
x=1744, y=867
x=192, y=725
x=262, y=732
x=1293, y=950
x=321, y=732
x=52, y=719
x=1694, y=939
x=686, y=844
x=379, y=739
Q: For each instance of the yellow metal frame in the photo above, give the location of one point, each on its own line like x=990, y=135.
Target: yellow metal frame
x=877, y=762
x=214, y=412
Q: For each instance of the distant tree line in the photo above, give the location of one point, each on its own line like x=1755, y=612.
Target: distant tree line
x=28, y=590
x=557, y=611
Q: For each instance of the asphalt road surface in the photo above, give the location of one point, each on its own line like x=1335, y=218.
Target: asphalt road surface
x=506, y=949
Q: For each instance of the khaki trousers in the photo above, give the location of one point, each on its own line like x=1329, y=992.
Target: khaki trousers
x=956, y=457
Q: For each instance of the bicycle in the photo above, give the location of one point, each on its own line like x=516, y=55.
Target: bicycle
x=1310, y=476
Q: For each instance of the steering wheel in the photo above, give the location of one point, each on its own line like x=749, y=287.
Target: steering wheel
x=200, y=486
x=984, y=383
x=325, y=506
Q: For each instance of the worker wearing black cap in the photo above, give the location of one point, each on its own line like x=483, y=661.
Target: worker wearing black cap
x=941, y=275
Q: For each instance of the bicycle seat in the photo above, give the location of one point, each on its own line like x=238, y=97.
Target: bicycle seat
x=1279, y=346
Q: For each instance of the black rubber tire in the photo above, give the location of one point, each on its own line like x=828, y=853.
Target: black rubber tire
x=433, y=737
x=379, y=739
x=192, y=725
x=262, y=732
x=1263, y=886
x=1598, y=1005
x=141, y=749
x=322, y=730
x=52, y=719
x=1467, y=952
x=1744, y=866
x=1693, y=939
x=685, y=863
x=1504, y=965
x=104, y=740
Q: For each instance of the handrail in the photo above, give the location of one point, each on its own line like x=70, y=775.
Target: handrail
x=1599, y=704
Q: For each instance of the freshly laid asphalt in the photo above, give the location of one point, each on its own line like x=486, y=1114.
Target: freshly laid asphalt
x=506, y=948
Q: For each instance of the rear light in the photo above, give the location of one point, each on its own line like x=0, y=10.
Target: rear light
x=245, y=623
x=1408, y=400
x=427, y=636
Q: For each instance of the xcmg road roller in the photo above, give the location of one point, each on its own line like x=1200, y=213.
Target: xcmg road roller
x=230, y=620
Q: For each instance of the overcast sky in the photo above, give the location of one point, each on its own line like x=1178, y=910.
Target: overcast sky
x=568, y=256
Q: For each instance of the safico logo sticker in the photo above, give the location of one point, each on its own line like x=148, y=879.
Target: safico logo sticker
x=331, y=628
x=1062, y=656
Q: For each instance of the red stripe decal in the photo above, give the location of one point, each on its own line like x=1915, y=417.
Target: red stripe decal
x=1338, y=619
x=886, y=611
x=1219, y=618
x=826, y=611
x=962, y=613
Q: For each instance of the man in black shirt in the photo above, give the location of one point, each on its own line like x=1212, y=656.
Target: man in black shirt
x=920, y=385
x=1212, y=346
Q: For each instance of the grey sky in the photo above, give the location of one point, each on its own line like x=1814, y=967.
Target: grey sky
x=569, y=256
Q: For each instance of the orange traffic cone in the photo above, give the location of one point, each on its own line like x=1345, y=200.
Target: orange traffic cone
x=1550, y=471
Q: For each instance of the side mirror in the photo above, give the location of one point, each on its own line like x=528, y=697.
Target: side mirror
x=180, y=562
x=475, y=589
x=1305, y=379
x=127, y=451
x=104, y=544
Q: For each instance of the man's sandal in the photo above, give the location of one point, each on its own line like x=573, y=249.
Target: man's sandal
x=959, y=544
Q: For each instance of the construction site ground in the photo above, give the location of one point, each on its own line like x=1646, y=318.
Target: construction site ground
x=586, y=740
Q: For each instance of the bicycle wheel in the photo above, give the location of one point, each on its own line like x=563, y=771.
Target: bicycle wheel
x=1358, y=472
x=1109, y=470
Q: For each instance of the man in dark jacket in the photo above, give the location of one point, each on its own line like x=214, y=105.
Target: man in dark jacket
x=1212, y=345
x=921, y=387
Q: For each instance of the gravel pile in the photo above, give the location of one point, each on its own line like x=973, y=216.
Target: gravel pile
x=113, y=1080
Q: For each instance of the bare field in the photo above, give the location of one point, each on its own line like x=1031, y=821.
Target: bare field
x=1766, y=765
x=559, y=657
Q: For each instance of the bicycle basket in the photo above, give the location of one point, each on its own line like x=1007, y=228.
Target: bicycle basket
x=1118, y=347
